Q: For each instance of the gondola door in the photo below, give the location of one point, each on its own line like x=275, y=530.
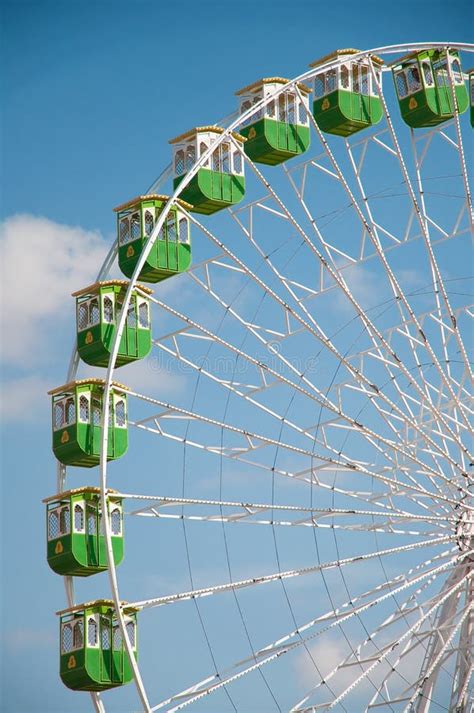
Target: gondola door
x=443, y=89
x=92, y=539
x=106, y=649
x=117, y=655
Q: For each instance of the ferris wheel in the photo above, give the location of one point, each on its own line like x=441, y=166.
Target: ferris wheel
x=302, y=365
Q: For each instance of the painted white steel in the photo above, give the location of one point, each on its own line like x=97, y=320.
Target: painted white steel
x=437, y=445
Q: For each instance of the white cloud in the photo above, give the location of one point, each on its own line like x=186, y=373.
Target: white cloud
x=149, y=377
x=42, y=263
x=411, y=279
x=364, y=286
x=371, y=289
x=23, y=639
x=146, y=376
x=25, y=399
x=327, y=653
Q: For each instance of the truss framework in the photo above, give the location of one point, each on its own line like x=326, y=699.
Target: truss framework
x=414, y=379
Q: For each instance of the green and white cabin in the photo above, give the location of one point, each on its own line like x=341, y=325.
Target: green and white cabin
x=280, y=130
x=470, y=74
x=220, y=183
x=424, y=89
x=76, y=544
x=171, y=251
x=97, y=310
x=92, y=654
x=345, y=97
x=77, y=415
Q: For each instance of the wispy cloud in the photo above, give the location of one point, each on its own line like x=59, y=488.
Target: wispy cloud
x=364, y=286
x=24, y=399
x=326, y=656
x=24, y=639
x=53, y=260
x=147, y=376
x=42, y=263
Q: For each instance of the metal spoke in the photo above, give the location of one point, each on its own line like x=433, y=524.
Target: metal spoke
x=371, y=231
x=373, y=332
x=336, y=417
x=438, y=283
x=272, y=652
x=371, y=391
x=251, y=442
x=377, y=660
x=245, y=391
x=247, y=512
x=265, y=579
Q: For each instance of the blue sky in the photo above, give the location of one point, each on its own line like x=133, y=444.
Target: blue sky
x=92, y=92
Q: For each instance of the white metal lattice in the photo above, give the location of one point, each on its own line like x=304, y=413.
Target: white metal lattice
x=395, y=419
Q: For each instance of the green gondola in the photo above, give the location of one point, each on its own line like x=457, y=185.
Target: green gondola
x=77, y=429
x=423, y=87
x=92, y=652
x=171, y=251
x=97, y=310
x=75, y=540
x=220, y=183
x=470, y=73
x=281, y=130
x=345, y=97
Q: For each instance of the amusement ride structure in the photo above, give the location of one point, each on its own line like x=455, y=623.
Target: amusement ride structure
x=317, y=384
